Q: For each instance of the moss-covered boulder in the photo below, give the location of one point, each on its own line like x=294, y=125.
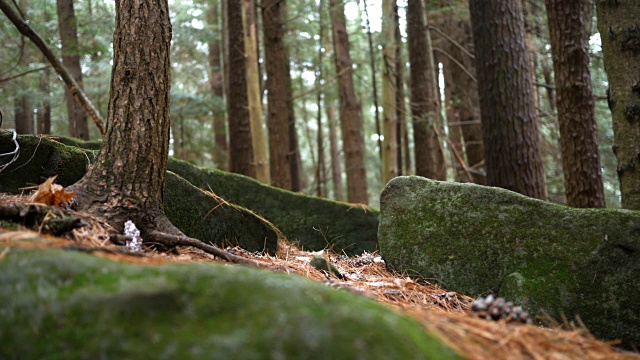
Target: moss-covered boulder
x=186, y=206
x=210, y=219
x=65, y=305
x=40, y=158
x=316, y=223
x=313, y=222
x=554, y=259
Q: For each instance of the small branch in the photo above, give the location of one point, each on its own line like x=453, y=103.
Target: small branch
x=456, y=62
x=69, y=81
x=431, y=27
x=169, y=240
x=24, y=73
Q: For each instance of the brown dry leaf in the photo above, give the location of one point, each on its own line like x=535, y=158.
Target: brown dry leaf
x=49, y=193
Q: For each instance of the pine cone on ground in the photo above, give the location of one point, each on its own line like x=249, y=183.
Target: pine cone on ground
x=492, y=308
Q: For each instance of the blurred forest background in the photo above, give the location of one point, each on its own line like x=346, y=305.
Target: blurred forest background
x=201, y=131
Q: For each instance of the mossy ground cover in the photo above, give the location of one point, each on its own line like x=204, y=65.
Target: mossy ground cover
x=63, y=304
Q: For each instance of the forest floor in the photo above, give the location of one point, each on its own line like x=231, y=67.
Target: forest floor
x=447, y=314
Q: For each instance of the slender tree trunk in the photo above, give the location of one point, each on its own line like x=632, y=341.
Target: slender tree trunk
x=468, y=104
x=551, y=92
x=216, y=79
x=321, y=169
x=241, y=145
x=374, y=77
x=424, y=102
x=453, y=119
x=389, y=120
x=126, y=181
x=295, y=160
x=618, y=25
x=336, y=168
x=276, y=59
x=401, y=115
x=576, y=112
x=350, y=111
x=44, y=110
x=509, y=124
x=78, y=126
x=258, y=138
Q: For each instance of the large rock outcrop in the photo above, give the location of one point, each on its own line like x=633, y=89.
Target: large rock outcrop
x=313, y=222
x=553, y=259
x=68, y=305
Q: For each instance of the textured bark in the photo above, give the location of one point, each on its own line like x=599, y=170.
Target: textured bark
x=276, y=58
x=44, y=109
x=401, y=115
x=259, y=141
x=509, y=124
x=336, y=168
x=321, y=170
x=241, y=146
x=77, y=118
x=128, y=176
x=350, y=111
x=424, y=102
x=618, y=25
x=468, y=103
x=576, y=112
x=389, y=120
x=220, y=149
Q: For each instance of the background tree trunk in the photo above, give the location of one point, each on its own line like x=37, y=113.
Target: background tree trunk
x=576, y=111
x=618, y=25
x=216, y=79
x=350, y=111
x=78, y=126
x=428, y=153
x=241, y=145
x=260, y=158
x=509, y=124
x=401, y=114
x=128, y=176
x=276, y=59
x=389, y=120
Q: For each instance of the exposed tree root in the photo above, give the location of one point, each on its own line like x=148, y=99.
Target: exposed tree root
x=171, y=241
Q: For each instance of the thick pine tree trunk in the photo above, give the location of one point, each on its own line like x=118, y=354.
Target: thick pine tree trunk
x=128, y=176
x=576, y=112
x=350, y=111
x=278, y=84
x=618, y=24
x=220, y=149
x=241, y=146
x=509, y=124
x=78, y=126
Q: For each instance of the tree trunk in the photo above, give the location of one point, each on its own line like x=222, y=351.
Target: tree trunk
x=401, y=115
x=350, y=111
x=468, y=104
x=23, y=115
x=295, y=161
x=509, y=124
x=220, y=149
x=374, y=77
x=127, y=179
x=618, y=25
x=336, y=168
x=78, y=126
x=389, y=120
x=258, y=138
x=321, y=171
x=44, y=110
x=424, y=102
x=576, y=112
x=276, y=58
x=241, y=146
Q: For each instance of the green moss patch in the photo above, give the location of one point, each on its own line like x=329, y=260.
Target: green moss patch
x=316, y=223
x=553, y=259
x=66, y=305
